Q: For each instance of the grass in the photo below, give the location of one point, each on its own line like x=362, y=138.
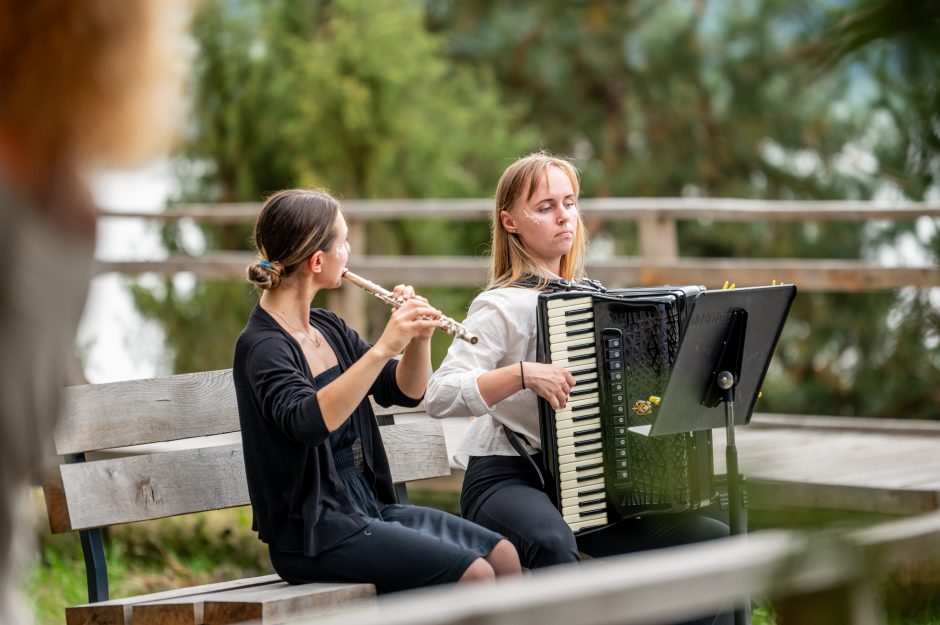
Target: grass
x=217, y=546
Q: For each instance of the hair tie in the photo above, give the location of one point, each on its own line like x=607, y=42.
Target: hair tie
x=266, y=264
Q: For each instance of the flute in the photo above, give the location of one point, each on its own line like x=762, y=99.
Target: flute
x=447, y=324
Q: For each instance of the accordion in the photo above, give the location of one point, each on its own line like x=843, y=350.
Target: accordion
x=619, y=345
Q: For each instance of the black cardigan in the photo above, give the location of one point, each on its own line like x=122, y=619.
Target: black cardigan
x=298, y=501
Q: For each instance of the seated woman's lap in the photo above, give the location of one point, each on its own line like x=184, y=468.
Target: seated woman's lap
x=651, y=532
x=530, y=521
x=409, y=547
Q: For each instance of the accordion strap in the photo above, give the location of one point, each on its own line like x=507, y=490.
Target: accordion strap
x=516, y=441
x=554, y=285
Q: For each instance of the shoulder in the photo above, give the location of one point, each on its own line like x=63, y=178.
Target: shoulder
x=260, y=335
x=510, y=300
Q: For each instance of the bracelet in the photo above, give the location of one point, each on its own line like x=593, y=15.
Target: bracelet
x=522, y=374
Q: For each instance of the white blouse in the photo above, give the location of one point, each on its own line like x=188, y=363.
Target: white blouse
x=504, y=320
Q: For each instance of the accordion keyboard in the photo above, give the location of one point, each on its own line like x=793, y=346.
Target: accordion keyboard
x=578, y=427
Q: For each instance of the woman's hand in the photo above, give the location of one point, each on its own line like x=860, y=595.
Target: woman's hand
x=550, y=382
x=413, y=320
x=407, y=292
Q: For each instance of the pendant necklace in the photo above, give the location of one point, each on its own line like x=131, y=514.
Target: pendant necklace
x=316, y=336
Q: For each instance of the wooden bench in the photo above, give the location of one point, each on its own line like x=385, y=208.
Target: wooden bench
x=103, y=483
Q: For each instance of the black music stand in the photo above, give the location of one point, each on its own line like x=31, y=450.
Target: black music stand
x=723, y=357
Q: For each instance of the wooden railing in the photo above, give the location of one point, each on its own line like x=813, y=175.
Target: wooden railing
x=659, y=261
x=812, y=579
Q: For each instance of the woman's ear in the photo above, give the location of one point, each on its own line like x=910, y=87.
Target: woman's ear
x=315, y=262
x=508, y=222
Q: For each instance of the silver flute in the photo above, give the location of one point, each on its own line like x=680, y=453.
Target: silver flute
x=447, y=324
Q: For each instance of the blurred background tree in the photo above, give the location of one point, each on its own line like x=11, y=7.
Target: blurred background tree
x=759, y=99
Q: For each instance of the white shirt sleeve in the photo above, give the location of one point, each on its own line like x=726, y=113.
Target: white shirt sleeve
x=504, y=320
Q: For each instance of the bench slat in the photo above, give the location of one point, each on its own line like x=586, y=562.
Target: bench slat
x=277, y=600
x=119, y=611
x=282, y=602
x=140, y=412
x=138, y=488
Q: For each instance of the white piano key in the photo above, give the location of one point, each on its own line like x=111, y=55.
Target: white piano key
x=572, y=319
x=564, y=302
x=567, y=331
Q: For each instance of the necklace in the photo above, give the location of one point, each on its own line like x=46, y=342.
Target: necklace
x=316, y=335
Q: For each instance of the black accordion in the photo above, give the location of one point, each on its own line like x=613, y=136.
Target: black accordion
x=619, y=345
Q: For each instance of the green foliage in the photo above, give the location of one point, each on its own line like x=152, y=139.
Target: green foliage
x=148, y=557
x=760, y=99
x=352, y=95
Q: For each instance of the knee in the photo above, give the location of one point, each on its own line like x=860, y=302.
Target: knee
x=478, y=571
x=550, y=545
x=707, y=528
x=504, y=559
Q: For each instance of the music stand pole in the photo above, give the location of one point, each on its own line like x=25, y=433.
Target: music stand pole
x=728, y=374
x=725, y=381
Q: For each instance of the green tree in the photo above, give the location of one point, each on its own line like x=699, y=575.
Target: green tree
x=730, y=99
x=353, y=95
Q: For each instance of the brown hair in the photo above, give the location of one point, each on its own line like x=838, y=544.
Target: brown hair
x=91, y=80
x=293, y=225
x=510, y=260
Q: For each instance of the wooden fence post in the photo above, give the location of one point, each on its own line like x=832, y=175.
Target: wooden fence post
x=657, y=235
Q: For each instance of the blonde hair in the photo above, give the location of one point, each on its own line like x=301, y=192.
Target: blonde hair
x=510, y=261
x=91, y=80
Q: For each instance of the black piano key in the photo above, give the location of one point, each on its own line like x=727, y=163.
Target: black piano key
x=587, y=452
x=584, y=407
x=590, y=491
x=589, y=467
x=592, y=441
x=588, y=478
x=584, y=371
x=585, y=391
x=581, y=357
x=579, y=332
x=583, y=432
x=578, y=311
x=581, y=346
x=585, y=504
x=585, y=417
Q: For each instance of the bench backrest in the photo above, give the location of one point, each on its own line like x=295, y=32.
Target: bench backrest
x=151, y=482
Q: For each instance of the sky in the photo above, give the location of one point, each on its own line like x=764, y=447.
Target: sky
x=116, y=343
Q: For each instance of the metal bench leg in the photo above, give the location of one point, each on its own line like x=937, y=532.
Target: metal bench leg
x=96, y=567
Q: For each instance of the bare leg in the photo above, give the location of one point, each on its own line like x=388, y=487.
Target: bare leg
x=504, y=559
x=478, y=571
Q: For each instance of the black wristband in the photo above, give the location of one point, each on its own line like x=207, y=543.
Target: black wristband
x=522, y=374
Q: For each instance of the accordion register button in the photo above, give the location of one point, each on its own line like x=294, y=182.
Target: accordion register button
x=615, y=364
x=621, y=464
x=613, y=342
x=618, y=398
x=620, y=420
x=620, y=431
x=621, y=453
x=623, y=475
x=620, y=442
x=616, y=376
x=616, y=388
x=613, y=353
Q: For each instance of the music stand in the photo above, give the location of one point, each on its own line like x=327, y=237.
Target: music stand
x=723, y=356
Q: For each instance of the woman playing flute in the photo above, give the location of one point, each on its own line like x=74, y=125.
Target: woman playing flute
x=318, y=476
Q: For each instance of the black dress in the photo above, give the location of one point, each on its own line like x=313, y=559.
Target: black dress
x=401, y=547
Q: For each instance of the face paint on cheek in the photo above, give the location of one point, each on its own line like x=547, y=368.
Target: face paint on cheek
x=532, y=217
